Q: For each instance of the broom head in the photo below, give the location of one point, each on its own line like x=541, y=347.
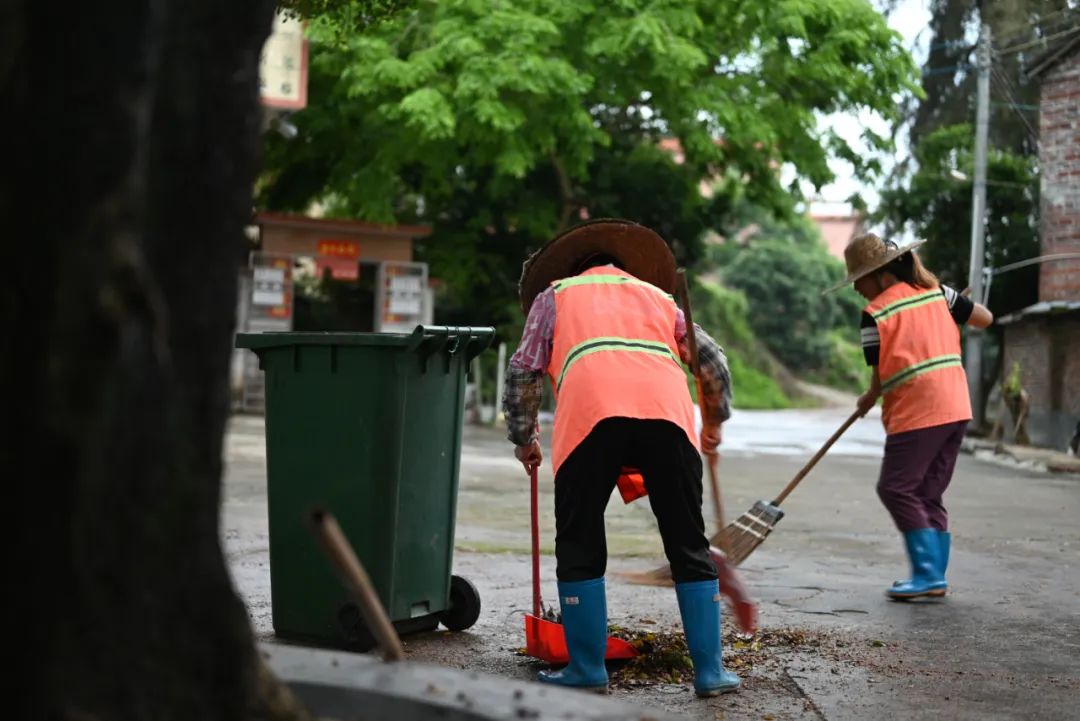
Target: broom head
x=748, y=531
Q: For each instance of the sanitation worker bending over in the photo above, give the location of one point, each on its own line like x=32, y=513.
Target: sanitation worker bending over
x=603, y=326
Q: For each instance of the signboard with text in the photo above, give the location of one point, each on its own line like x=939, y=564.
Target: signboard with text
x=271, y=288
x=338, y=248
x=283, y=66
x=399, y=305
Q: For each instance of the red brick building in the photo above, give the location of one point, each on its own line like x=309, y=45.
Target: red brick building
x=1045, y=338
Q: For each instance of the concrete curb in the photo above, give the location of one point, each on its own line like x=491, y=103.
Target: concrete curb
x=348, y=686
x=1039, y=459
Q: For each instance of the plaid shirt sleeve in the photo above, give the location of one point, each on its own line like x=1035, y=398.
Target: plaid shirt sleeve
x=715, y=375
x=521, y=405
x=525, y=376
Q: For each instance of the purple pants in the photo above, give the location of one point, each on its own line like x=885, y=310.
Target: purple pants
x=917, y=468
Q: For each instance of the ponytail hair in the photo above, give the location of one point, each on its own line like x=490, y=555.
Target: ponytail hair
x=910, y=270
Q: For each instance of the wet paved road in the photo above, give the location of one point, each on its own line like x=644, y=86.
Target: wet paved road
x=1005, y=644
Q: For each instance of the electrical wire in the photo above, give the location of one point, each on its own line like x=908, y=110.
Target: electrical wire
x=946, y=69
x=951, y=45
x=1006, y=87
x=1041, y=41
x=1012, y=32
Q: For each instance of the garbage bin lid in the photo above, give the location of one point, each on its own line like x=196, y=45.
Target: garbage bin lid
x=278, y=339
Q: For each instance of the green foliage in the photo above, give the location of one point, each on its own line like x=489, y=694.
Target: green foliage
x=936, y=206
x=346, y=16
x=499, y=123
x=723, y=313
x=783, y=283
x=846, y=369
x=754, y=390
x=1013, y=384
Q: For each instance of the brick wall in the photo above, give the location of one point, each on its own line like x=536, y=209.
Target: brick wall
x=1028, y=344
x=1059, y=158
x=1068, y=333
x=1048, y=350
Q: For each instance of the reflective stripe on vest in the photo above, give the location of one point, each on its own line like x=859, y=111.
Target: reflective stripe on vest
x=911, y=372
x=630, y=345
x=915, y=301
x=922, y=377
x=606, y=279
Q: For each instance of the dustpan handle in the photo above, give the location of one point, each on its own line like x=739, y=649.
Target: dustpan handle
x=535, y=514
x=817, y=457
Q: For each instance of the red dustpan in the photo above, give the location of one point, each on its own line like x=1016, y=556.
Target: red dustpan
x=546, y=640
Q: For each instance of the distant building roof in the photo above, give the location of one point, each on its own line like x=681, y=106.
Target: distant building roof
x=1046, y=307
x=340, y=225
x=1054, y=54
x=837, y=230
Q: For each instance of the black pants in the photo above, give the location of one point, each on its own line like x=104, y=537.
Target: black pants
x=671, y=467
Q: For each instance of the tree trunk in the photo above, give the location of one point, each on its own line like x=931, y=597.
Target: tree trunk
x=125, y=186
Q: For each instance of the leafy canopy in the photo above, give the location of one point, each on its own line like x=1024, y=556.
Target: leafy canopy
x=445, y=89
x=500, y=122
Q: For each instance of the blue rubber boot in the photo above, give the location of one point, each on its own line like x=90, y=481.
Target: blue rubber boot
x=699, y=604
x=944, y=546
x=924, y=550
x=584, y=619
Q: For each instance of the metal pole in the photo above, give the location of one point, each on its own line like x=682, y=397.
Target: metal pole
x=478, y=396
x=500, y=381
x=973, y=356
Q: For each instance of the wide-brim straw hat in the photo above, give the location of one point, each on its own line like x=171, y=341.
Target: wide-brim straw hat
x=868, y=253
x=641, y=252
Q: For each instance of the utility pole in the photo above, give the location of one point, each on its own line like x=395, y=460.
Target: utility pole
x=973, y=355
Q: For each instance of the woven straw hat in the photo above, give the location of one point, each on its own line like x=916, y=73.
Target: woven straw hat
x=867, y=253
x=642, y=253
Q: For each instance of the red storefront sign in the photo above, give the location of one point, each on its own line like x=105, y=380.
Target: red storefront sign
x=339, y=248
x=340, y=257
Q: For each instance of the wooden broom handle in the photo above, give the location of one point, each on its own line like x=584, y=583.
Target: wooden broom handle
x=695, y=368
x=341, y=555
x=817, y=457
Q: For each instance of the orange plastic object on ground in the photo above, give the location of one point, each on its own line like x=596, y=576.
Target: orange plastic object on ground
x=546, y=640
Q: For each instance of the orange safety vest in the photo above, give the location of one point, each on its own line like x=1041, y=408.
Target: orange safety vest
x=614, y=356
x=922, y=376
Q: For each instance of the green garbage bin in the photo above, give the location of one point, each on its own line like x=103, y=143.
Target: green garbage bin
x=367, y=426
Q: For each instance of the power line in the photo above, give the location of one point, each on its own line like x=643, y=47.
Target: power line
x=1035, y=34
x=950, y=45
x=1003, y=183
x=1017, y=106
x=1006, y=87
x=1014, y=31
x=1025, y=46
x=946, y=70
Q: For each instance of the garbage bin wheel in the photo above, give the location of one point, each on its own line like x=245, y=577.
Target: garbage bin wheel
x=464, y=605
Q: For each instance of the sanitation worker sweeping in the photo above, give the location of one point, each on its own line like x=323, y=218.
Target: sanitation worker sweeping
x=603, y=325
x=911, y=339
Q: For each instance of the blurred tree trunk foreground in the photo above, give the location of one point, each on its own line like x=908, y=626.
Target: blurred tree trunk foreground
x=132, y=131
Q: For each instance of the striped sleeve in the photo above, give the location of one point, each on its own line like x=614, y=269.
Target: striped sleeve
x=871, y=339
x=960, y=307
